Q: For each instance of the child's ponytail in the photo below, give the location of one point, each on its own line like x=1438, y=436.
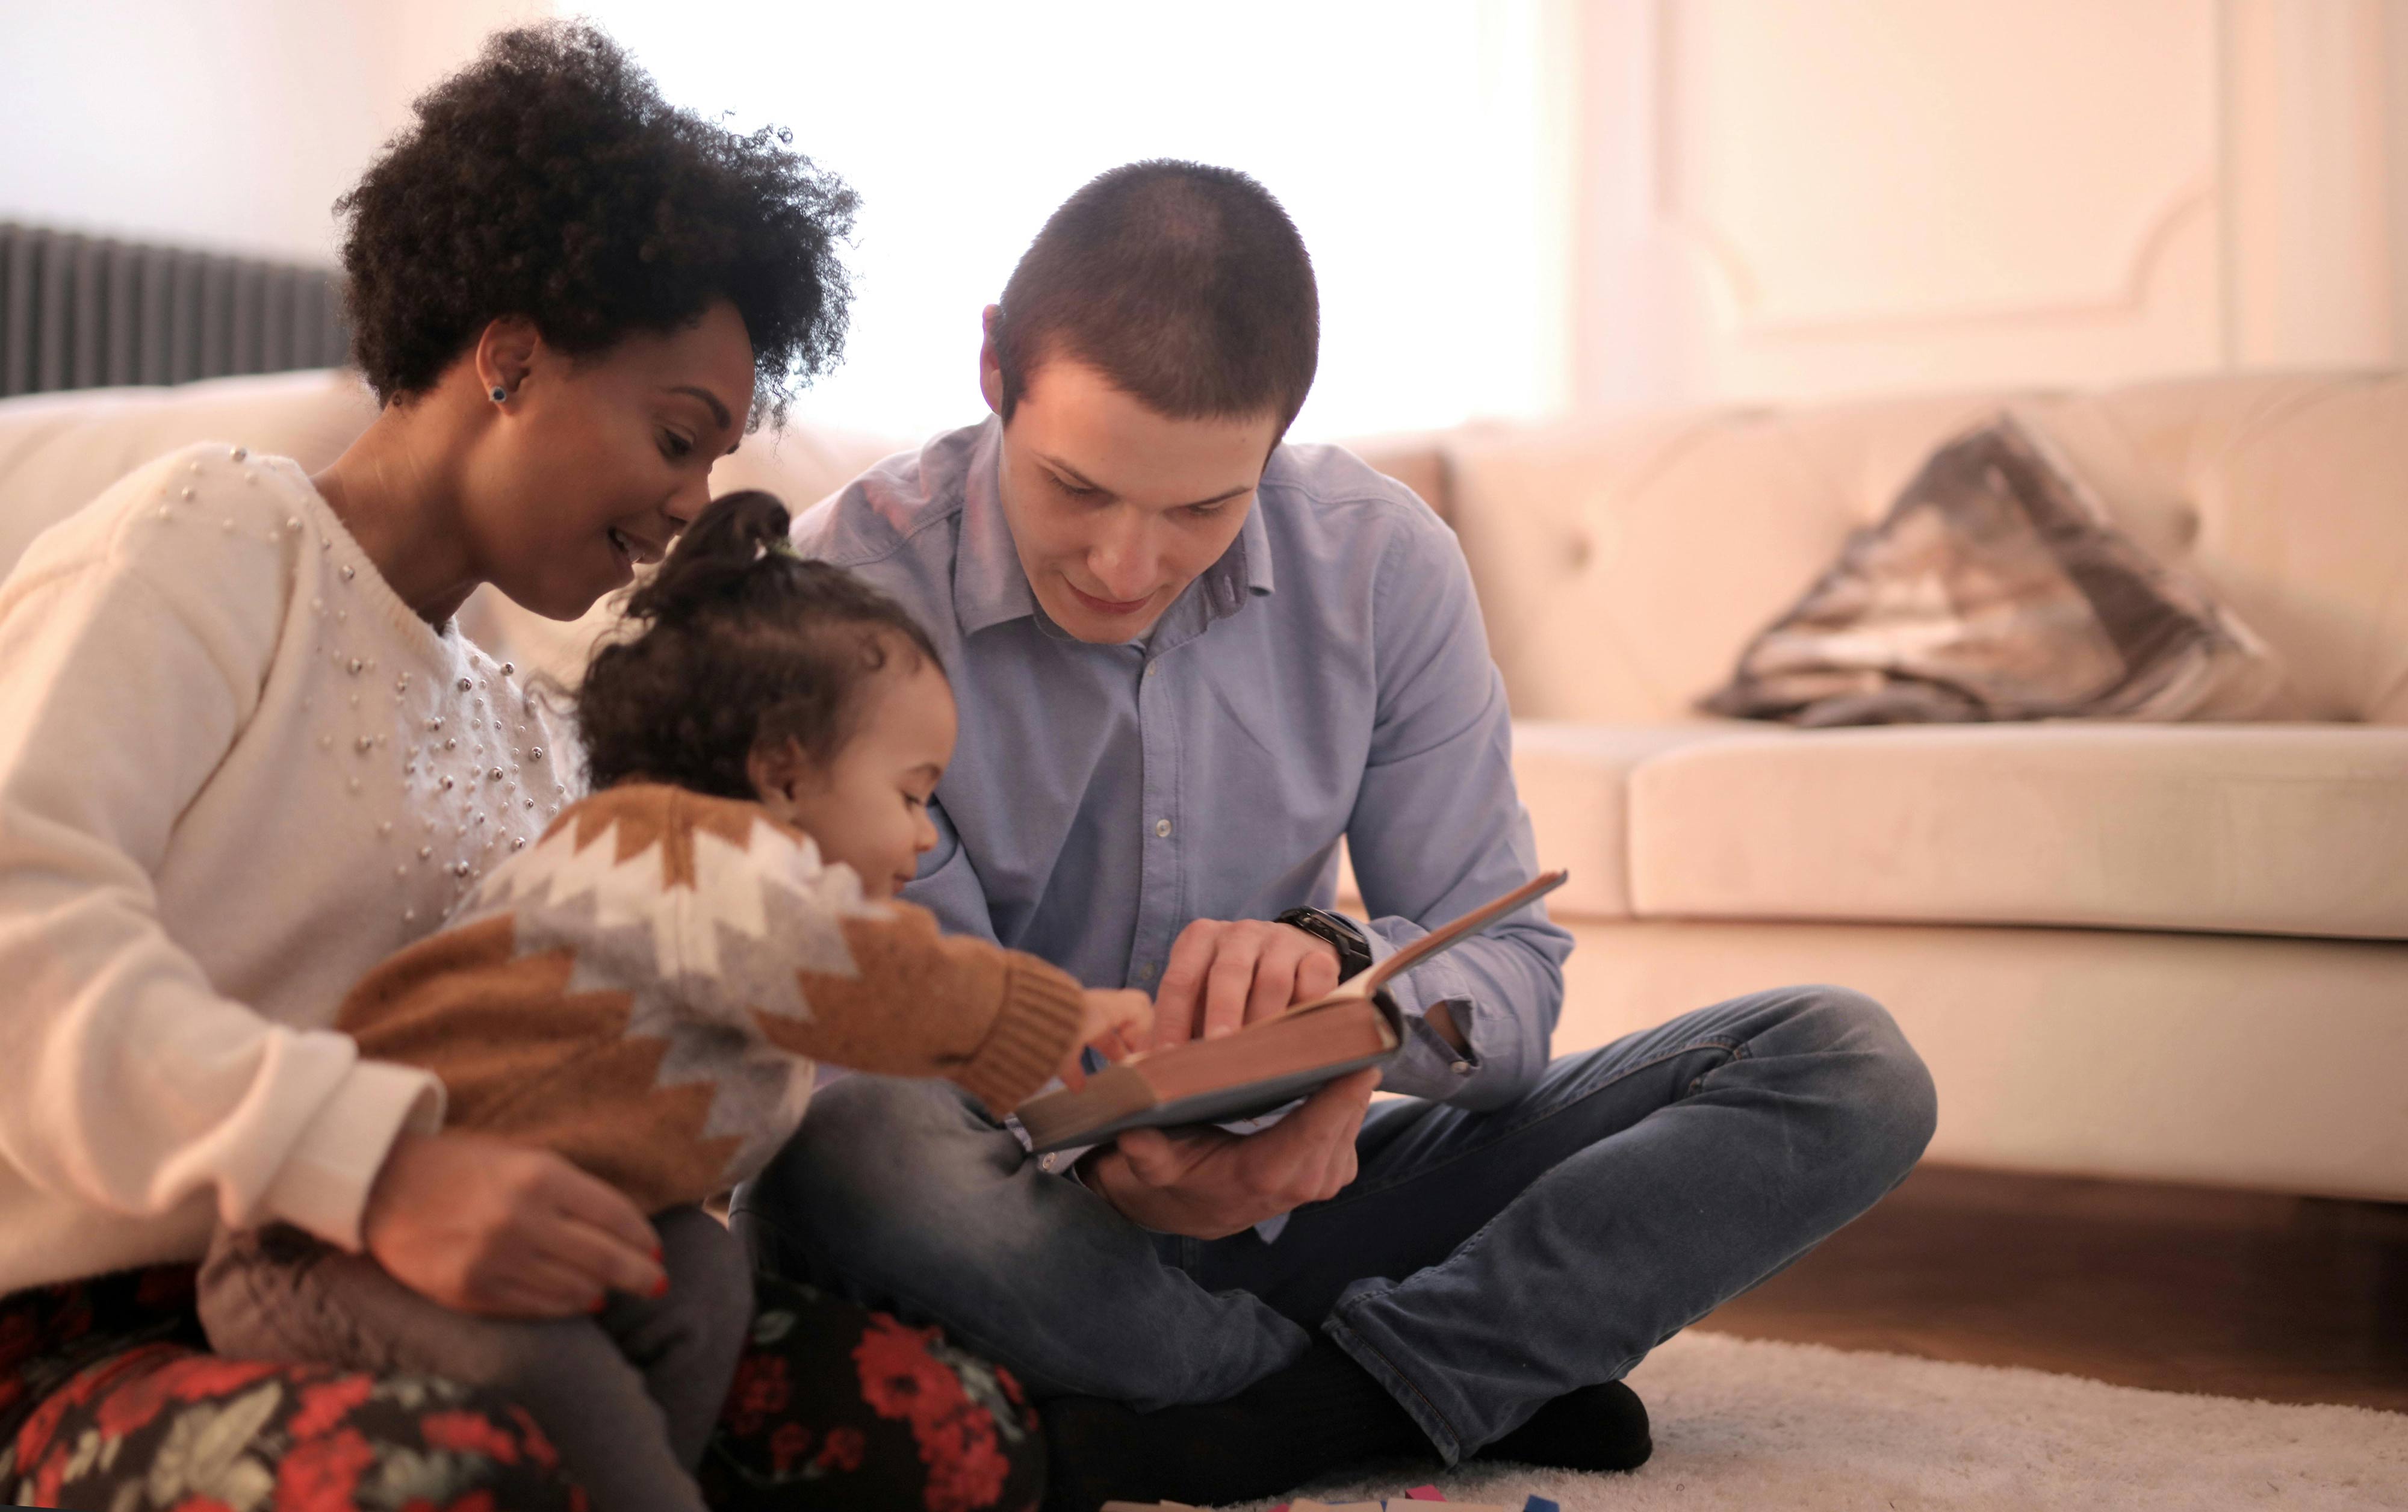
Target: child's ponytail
x=714, y=559
x=740, y=642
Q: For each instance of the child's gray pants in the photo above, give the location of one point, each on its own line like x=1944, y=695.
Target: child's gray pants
x=629, y=1396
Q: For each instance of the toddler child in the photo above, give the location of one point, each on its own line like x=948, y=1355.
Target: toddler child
x=645, y=990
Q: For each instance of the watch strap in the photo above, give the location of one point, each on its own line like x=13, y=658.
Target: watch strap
x=1339, y=933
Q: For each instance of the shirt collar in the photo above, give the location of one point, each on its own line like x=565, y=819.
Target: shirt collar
x=990, y=588
x=1255, y=541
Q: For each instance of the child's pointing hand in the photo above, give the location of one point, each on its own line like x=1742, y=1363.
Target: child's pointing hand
x=1116, y=1022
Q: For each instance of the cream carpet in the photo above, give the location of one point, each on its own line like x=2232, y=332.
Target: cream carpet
x=1747, y=1424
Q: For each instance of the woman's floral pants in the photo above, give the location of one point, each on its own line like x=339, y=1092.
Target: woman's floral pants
x=110, y=1401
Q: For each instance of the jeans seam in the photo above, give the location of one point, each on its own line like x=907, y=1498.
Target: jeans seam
x=1736, y=1049
x=1739, y=1052
x=1337, y=1323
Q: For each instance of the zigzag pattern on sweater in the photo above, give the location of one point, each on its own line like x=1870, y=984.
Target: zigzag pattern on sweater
x=697, y=957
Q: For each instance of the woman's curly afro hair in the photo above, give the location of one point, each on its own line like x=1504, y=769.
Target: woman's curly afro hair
x=550, y=181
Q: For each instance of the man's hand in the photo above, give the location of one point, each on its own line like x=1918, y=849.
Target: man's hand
x=1116, y=1022
x=1210, y=1184
x=487, y=1226
x=1224, y=975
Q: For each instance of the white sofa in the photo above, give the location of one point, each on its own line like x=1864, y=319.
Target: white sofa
x=2177, y=952
x=2172, y=952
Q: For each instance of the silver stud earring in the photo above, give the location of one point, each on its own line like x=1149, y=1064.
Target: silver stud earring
x=500, y=393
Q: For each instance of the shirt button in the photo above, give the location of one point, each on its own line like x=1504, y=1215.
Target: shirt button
x=1461, y=1068
x=1150, y=666
x=1162, y=828
x=1145, y=971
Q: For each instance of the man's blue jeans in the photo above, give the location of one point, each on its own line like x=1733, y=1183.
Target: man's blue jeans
x=1480, y=1264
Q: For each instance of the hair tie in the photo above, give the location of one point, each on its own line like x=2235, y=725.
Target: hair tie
x=785, y=547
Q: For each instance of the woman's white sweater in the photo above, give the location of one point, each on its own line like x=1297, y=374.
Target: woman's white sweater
x=236, y=772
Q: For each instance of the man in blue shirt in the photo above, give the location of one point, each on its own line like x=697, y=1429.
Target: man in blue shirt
x=1190, y=659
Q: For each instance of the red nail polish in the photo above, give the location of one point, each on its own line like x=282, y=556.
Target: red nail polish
x=662, y=1289
x=598, y=1304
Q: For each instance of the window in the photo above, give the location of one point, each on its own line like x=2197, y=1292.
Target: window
x=1419, y=145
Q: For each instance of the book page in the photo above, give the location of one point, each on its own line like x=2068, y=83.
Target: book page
x=1445, y=937
x=1448, y=936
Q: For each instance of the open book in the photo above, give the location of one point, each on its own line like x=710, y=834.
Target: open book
x=1267, y=1065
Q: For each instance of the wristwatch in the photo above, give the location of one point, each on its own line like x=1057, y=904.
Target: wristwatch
x=1353, y=952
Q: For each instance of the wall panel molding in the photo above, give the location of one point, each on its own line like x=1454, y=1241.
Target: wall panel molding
x=1839, y=195
x=2189, y=212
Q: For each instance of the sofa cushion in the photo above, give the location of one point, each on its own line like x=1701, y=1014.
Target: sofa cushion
x=1623, y=563
x=59, y=451
x=1575, y=781
x=2274, y=829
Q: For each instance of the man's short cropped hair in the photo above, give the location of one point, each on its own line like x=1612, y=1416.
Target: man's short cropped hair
x=1186, y=285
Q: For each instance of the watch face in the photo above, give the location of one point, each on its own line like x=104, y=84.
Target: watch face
x=1353, y=953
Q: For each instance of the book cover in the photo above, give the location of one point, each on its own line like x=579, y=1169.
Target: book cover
x=1265, y=1065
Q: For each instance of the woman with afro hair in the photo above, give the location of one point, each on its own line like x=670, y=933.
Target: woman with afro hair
x=249, y=755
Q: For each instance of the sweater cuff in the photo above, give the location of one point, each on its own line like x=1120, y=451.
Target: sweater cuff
x=325, y=1182
x=1036, y=1029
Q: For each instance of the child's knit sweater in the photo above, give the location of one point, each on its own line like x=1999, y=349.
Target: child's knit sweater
x=645, y=989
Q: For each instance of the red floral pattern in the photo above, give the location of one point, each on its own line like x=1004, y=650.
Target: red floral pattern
x=100, y=1363
x=834, y=1407
x=320, y=1474
x=842, y=1450
x=39, y=1429
x=788, y=1445
x=919, y=1427
x=956, y=1437
x=469, y=1432
x=761, y=1389
x=328, y=1403
x=538, y=1449
x=132, y=1409
x=206, y=1377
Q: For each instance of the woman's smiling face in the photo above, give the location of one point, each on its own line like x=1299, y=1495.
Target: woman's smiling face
x=595, y=462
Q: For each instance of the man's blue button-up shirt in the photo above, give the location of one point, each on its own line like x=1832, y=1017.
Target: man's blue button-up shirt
x=1327, y=678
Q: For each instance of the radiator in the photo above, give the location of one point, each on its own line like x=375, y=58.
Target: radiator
x=86, y=312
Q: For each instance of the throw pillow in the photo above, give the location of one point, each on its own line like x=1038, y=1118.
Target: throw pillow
x=1996, y=589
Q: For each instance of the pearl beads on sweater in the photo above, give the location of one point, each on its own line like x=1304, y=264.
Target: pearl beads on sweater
x=438, y=779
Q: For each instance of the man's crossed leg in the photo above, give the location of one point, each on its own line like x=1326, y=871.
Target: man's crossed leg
x=1479, y=1266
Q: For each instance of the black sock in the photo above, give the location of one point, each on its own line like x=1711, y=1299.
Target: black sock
x=1594, y=1428
x=1320, y=1413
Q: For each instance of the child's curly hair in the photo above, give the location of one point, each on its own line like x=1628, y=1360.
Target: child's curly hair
x=744, y=645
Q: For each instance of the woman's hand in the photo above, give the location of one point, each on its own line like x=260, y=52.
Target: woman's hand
x=488, y=1226
x=1117, y=1023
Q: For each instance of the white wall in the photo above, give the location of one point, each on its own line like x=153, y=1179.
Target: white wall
x=1793, y=199
x=2396, y=98
x=221, y=123
x=1418, y=145
x=1708, y=198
